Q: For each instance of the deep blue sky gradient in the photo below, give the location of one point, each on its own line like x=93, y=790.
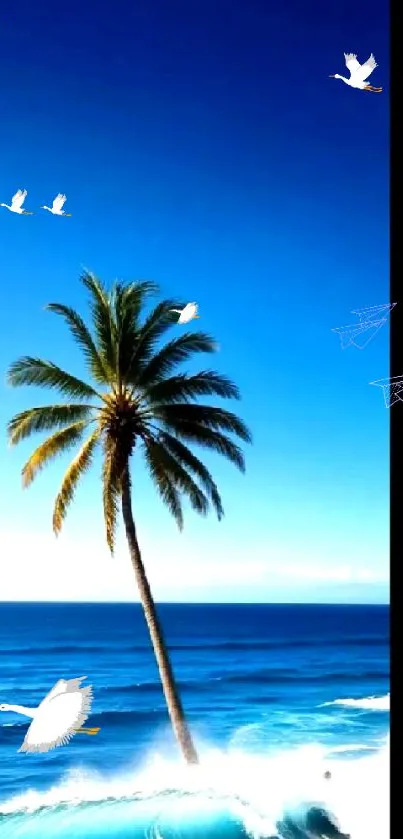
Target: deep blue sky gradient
x=203, y=145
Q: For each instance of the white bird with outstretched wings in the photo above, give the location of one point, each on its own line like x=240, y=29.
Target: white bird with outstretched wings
x=188, y=313
x=60, y=715
x=358, y=72
x=17, y=202
x=57, y=207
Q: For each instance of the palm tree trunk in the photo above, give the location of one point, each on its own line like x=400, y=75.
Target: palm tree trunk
x=170, y=689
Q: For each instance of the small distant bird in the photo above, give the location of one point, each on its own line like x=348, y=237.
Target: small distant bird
x=188, y=313
x=359, y=72
x=57, y=205
x=60, y=715
x=17, y=202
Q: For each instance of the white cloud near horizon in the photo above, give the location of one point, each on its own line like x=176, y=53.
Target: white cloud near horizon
x=36, y=566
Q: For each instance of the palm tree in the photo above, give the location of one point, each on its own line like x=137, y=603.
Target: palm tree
x=136, y=402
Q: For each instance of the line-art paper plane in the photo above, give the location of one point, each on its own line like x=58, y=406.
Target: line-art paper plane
x=349, y=334
x=367, y=323
x=392, y=389
x=373, y=311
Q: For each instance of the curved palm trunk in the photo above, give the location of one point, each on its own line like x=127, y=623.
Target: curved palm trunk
x=170, y=689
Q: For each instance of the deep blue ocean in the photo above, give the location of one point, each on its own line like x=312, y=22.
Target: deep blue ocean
x=275, y=696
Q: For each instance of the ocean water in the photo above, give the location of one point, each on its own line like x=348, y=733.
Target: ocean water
x=275, y=696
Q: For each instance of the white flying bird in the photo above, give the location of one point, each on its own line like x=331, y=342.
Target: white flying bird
x=57, y=205
x=359, y=72
x=59, y=716
x=17, y=202
x=188, y=313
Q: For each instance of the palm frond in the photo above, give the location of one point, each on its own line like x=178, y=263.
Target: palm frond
x=155, y=325
x=128, y=302
x=77, y=467
x=54, y=445
x=110, y=497
x=39, y=373
x=192, y=463
x=44, y=418
x=180, y=478
x=84, y=339
x=104, y=325
x=208, y=439
x=203, y=415
x=184, y=387
x=114, y=463
x=164, y=484
x=173, y=353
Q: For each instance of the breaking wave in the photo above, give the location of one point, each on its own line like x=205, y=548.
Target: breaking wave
x=369, y=703
x=229, y=796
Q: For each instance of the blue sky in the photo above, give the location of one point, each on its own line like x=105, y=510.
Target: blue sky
x=203, y=145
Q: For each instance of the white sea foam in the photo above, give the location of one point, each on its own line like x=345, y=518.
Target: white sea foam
x=257, y=788
x=368, y=703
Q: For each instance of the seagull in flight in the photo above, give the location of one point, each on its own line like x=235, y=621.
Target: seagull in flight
x=188, y=313
x=17, y=202
x=359, y=72
x=58, y=203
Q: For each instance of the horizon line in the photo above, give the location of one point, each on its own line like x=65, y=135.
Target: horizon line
x=181, y=603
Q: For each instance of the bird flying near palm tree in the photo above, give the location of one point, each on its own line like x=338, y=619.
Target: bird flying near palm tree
x=17, y=202
x=138, y=403
x=56, y=208
x=188, y=313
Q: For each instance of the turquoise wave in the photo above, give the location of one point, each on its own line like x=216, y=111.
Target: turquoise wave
x=132, y=819
x=159, y=818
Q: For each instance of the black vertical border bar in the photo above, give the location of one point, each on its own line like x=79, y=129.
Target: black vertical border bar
x=396, y=411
